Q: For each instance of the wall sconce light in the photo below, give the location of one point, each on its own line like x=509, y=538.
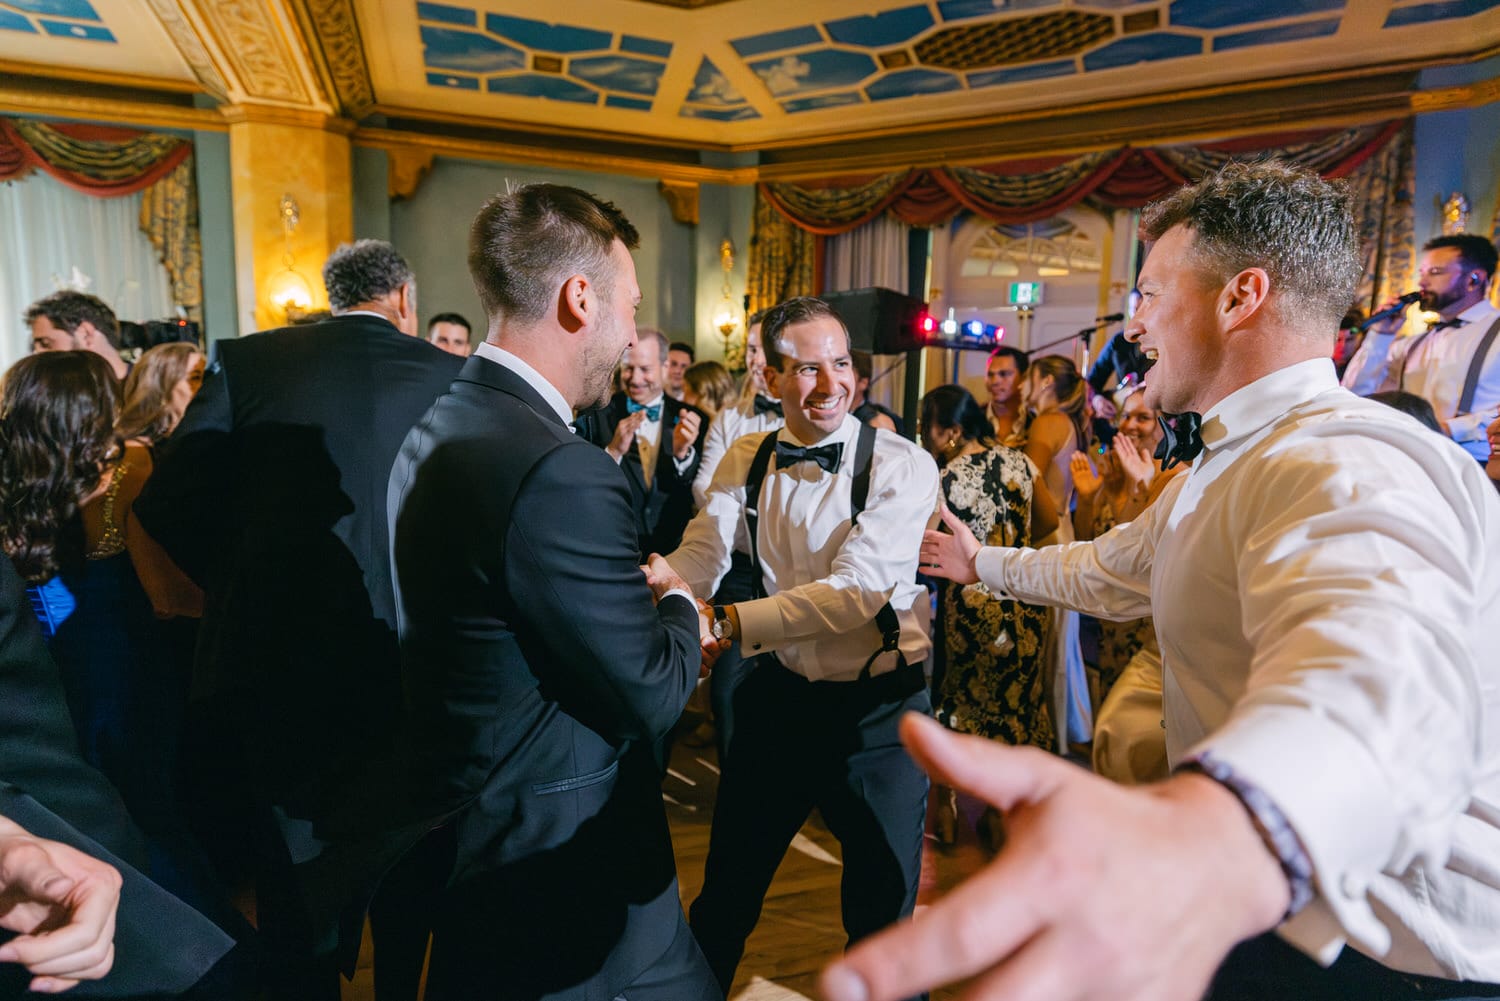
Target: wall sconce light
x=288, y=290
x=727, y=317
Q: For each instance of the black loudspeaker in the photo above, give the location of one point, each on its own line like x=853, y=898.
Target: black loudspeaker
x=880, y=321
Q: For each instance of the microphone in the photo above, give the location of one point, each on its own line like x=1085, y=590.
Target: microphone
x=1111, y=318
x=1390, y=311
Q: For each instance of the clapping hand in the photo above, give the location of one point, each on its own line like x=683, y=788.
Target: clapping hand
x=1135, y=462
x=685, y=434
x=62, y=903
x=950, y=554
x=1101, y=892
x=1085, y=480
x=624, y=436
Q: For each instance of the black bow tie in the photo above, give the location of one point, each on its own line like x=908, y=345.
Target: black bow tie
x=766, y=405
x=1180, y=441
x=826, y=456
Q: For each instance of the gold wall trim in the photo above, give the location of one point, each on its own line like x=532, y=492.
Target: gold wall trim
x=405, y=170
x=189, y=45
x=682, y=199
x=20, y=101
x=334, y=29
x=477, y=149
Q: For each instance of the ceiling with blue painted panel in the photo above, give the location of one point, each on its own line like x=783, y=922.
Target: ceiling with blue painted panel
x=55, y=18
x=755, y=73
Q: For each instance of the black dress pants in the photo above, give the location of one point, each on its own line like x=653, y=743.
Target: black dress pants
x=1266, y=968
x=799, y=745
x=731, y=668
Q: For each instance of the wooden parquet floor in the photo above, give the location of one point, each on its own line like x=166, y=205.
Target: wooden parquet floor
x=799, y=929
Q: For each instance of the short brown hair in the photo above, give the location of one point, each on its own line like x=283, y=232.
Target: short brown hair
x=68, y=310
x=1285, y=219
x=788, y=314
x=526, y=242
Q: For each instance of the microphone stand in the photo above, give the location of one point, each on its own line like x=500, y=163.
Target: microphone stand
x=1082, y=335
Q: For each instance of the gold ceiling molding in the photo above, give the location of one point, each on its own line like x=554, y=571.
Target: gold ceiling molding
x=550, y=156
x=276, y=114
x=332, y=25
x=1449, y=98
x=405, y=169
x=539, y=128
x=263, y=61
x=682, y=199
x=105, y=78
x=29, y=101
x=189, y=45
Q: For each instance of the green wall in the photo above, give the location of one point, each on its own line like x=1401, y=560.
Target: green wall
x=216, y=228
x=431, y=229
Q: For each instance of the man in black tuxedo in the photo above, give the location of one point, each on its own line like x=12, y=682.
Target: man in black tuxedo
x=538, y=672
x=271, y=495
x=658, y=442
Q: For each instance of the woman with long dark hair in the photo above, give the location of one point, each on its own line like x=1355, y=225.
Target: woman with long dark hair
x=100, y=586
x=988, y=667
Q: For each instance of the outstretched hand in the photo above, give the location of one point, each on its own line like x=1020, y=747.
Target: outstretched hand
x=1101, y=891
x=62, y=902
x=950, y=554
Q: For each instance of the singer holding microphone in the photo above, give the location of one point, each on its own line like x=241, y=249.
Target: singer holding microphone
x=1120, y=358
x=1455, y=363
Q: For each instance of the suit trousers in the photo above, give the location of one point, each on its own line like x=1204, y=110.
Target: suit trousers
x=800, y=745
x=1266, y=967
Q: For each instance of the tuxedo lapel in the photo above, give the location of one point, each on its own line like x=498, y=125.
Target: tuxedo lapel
x=480, y=371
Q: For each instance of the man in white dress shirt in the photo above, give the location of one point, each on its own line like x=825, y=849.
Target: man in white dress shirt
x=1455, y=364
x=838, y=633
x=1326, y=591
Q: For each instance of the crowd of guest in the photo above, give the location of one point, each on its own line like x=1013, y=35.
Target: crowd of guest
x=401, y=625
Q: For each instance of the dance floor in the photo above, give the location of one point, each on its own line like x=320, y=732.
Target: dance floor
x=799, y=929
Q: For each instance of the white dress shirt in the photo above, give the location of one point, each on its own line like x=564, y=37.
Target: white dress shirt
x=1326, y=587
x=824, y=582
x=728, y=426
x=1435, y=370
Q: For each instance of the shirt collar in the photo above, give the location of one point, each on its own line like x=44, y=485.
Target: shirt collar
x=533, y=378
x=1480, y=310
x=1252, y=407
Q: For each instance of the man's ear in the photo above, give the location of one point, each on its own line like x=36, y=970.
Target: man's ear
x=773, y=377
x=405, y=303
x=85, y=333
x=577, y=304
x=1244, y=294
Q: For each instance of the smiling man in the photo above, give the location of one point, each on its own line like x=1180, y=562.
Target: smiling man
x=834, y=512
x=1326, y=589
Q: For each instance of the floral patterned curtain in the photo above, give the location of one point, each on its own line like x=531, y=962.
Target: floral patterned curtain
x=106, y=162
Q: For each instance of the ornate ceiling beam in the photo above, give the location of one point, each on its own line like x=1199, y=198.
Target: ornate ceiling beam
x=338, y=50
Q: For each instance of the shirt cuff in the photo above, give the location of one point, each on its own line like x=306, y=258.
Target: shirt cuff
x=990, y=564
x=684, y=464
x=761, y=628
x=677, y=590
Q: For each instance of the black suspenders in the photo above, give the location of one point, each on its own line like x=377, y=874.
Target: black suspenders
x=864, y=450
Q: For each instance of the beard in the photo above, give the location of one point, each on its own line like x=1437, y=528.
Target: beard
x=1436, y=302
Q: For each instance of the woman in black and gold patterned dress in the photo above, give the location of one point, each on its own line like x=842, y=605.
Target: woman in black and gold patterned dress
x=988, y=676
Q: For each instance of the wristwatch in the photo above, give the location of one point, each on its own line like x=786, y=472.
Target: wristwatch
x=722, y=628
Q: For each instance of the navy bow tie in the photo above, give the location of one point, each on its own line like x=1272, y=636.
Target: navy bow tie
x=766, y=405
x=653, y=413
x=826, y=456
x=1180, y=441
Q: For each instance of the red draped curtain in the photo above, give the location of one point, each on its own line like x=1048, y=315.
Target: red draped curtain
x=1375, y=158
x=107, y=162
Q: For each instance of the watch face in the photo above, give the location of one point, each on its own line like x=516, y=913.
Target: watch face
x=721, y=629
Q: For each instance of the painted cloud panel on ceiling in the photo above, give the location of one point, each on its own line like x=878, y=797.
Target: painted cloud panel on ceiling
x=1423, y=13
x=713, y=97
x=522, y=57
x=57, y=18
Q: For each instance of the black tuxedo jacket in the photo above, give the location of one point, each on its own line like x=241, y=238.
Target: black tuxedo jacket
x=162, y=944
x=663, y=509
x=271, y=495
x=538, y=676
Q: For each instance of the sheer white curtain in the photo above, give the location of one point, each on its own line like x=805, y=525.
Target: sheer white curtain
x=47, y=229
x=874, y=255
